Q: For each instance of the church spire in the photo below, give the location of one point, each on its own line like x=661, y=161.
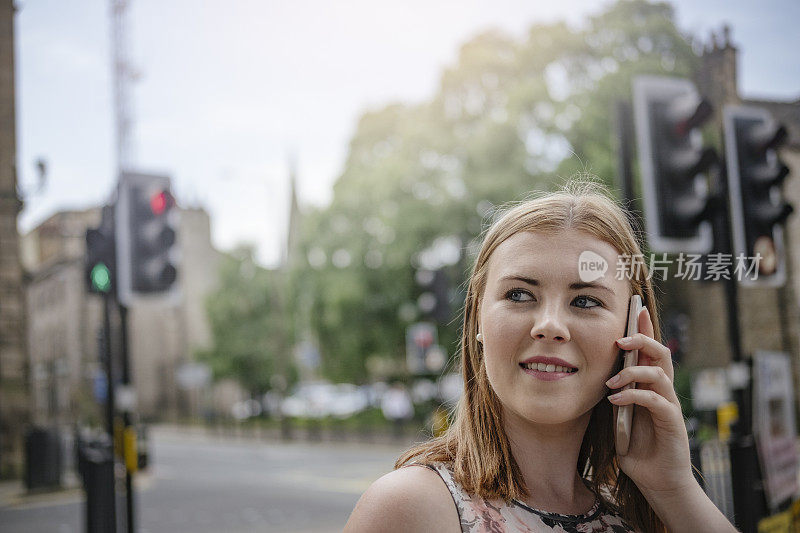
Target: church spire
x=293, y=230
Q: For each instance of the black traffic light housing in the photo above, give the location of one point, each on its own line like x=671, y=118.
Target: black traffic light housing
x=146, y=237
x=755, y=174
x=100, y=265
x=99, y=261
x=668, y=114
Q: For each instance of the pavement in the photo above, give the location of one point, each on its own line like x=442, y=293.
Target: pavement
x=13, y=494
x=204, y=482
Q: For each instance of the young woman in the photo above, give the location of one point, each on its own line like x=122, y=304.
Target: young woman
x=531, y=447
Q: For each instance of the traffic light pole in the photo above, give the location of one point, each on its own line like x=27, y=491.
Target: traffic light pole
x=108, y=361
x=745, y=474
x=624, y=126
x=738, y=217
x=126, y=417
x=625, y=135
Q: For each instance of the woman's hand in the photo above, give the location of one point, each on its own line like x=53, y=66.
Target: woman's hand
x=658, y=457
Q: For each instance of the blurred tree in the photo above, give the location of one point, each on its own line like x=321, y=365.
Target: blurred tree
x=632, y=37
x=248, y=324
x=421, y=181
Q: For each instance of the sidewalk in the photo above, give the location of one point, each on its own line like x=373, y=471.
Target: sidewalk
x=14, y=495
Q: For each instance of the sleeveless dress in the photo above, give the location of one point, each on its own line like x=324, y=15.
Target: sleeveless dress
x=479, y=515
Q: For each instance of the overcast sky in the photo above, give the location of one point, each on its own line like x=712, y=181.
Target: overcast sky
x=228, y=89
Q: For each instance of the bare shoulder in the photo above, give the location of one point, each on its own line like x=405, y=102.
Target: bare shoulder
x=405, y=500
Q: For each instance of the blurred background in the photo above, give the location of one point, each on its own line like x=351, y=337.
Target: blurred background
x=330, y=167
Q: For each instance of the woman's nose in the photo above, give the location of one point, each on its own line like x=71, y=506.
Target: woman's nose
x=549, y=325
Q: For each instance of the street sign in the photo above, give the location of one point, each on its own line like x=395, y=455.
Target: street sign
x=100, y=386
x=774, y=425
x=192, y=375
x=710, y=389
x=125, y=398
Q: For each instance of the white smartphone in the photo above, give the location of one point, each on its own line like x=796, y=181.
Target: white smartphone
x=624, y=422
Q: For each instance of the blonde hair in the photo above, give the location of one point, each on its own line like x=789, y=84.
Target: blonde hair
x=476, y=444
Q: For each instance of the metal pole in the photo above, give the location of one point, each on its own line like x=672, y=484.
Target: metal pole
x=122, y=76
x=624, y=134
x=126, y=415
x=624, y=130
x=748, y=502
x=109, y=364
x=722, y=244
x=782, y=294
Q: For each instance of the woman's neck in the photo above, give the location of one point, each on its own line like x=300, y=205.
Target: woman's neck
x=547, y=456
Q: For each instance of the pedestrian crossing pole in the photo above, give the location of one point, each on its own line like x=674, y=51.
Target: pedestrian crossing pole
x=129, y=452
x=108, y=361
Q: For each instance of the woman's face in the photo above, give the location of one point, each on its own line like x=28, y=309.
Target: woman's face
x=535, y=307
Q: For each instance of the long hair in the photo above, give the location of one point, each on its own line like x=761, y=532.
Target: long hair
x=476, y=444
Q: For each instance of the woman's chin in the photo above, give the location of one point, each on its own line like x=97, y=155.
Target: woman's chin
x=554, y=414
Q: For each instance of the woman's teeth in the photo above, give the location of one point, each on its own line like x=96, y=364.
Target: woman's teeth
x=541, y=367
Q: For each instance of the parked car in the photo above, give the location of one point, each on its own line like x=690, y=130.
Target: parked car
x=320, y=399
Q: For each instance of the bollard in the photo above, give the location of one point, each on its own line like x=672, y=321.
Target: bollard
x=749, y=500
x=98, y=483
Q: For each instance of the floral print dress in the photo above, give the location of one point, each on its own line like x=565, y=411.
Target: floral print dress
x=479, y=515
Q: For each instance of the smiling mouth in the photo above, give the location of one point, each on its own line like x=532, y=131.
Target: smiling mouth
x=541, y=367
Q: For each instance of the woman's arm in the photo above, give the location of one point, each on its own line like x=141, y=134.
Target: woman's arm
x=407, y=500
x=688, y=509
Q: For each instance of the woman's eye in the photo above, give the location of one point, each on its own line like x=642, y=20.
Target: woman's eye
x=518, y=295
x=584, y=301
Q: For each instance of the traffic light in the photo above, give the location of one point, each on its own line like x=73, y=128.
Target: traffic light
x=99, y=265
x=755, y=175
x=146, y=237
x=668, y=114
x=100, y=260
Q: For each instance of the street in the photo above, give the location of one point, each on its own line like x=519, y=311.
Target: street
x=203, y=484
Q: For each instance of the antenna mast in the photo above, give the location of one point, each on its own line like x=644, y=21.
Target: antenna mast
x=123, y=75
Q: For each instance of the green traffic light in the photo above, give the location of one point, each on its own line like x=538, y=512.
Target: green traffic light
x=101, y=278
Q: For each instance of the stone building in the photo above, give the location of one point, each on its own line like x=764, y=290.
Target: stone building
x=769, y=318
x=13, y=361
x=64, y=321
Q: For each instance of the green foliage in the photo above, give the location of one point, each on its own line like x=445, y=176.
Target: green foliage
x=509, y=117
x=249, y=327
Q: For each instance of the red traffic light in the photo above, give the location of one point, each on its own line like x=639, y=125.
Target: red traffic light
x=161, y=201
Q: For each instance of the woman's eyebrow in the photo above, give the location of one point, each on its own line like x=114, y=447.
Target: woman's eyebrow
x=523, y=279
x=573, y=286
x=589, y=285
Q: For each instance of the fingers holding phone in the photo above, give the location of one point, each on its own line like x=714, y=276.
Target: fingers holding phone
x=651, y=352
x=658, y=420
x=624, y=419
